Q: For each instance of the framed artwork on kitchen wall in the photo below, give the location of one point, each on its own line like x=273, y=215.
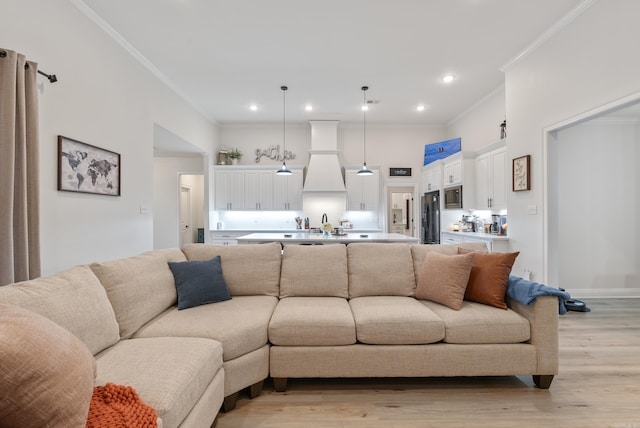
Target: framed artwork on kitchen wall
x=87, y=169
x=522, y=173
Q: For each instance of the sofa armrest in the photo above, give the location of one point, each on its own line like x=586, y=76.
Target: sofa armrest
x=542, y=315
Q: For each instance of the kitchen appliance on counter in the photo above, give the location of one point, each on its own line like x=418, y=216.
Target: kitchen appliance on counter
x=498, y=224
x=431, y=218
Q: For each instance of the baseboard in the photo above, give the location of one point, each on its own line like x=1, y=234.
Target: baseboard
x=606, y=293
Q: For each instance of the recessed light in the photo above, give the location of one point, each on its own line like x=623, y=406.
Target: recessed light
x=364, y=108
x=308, y=107
x=448, y=78
x=420, y=108
x=253, y=107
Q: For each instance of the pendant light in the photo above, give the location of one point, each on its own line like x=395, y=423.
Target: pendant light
x=364, y=170
x=283, y=169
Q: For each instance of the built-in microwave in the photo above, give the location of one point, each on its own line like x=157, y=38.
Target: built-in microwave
x=453, y=198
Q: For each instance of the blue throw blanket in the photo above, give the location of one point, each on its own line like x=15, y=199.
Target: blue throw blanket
x=525, y=292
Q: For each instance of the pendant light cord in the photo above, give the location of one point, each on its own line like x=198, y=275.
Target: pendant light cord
x=364, y=120
x=284, y=151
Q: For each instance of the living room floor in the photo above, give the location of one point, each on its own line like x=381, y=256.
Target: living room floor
x=598, y=386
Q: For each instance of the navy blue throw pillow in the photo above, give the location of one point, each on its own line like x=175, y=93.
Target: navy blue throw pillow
x=199, y=282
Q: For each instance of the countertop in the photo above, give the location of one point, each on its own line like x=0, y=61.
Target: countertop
x=480, y=235
x=317, y=238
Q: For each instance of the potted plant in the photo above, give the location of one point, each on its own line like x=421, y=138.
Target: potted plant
x=234, y=154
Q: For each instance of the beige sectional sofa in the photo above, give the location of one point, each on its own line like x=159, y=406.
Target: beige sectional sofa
x=307, y=311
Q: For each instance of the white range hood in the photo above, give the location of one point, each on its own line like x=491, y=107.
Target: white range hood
x=324, y=173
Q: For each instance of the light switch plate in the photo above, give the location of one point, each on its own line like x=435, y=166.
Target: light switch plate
x=532, y=210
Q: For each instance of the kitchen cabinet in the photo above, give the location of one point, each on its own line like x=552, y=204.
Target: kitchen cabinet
x=225, y=238
x=287, y=191
x=491, y=179
x=459, y=170
x=494, y=243
x=453, y=172
x=258, y=190
x=432, y=177
x=229, y=189
x=362, y=191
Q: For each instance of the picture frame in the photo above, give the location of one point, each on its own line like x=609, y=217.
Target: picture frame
x=521, y=173
x=85, y=168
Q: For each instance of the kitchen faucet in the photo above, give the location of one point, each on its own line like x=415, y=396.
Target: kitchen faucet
x=325, y=219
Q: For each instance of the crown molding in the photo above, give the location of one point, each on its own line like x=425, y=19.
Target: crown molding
x=117, y=37
x=549, y=33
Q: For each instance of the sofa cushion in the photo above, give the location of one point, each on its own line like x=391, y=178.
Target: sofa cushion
x=419, y=251
x=444, y=279
x=312, y=321
x=248, y=270
x=74, y=299
x=314, y=271
x=377, y=269
x=168, y=373
x=489, y=278
x=239, y=324
x=477, y=323
x=395, y=320
x=46, y=373
x=139, y=287
x=199, y=282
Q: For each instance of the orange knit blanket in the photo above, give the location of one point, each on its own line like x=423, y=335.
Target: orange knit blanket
x=118, y=406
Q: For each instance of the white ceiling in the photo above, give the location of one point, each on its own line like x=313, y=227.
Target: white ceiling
x=223, y=55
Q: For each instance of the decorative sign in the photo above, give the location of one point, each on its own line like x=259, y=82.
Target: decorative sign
x=441, y=150
x=399, y=172
x=273, y=152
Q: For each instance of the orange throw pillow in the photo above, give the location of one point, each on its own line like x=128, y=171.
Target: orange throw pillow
x=489, y=277
x=443, y=279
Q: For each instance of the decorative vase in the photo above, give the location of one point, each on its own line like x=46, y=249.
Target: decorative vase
x=234, y=161
x=325, y=234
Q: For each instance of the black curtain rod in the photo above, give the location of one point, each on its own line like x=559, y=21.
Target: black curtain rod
x=52, y=77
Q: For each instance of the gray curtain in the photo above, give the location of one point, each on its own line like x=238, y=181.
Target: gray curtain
x=19, y=194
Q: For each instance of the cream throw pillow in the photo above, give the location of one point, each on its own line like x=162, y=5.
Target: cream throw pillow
x=46, y=373
x=443, y=279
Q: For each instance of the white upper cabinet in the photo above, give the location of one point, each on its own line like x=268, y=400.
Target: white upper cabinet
x=287, y=191
x=491, y=179
x=229, y=189
x=453, y=171
x=432, y=177
x=258, y=190
x=362, y=191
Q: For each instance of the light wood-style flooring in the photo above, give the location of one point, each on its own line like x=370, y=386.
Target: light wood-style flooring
x=598, y=386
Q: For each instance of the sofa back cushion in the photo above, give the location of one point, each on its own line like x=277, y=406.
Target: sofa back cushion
x=419, y=251
x=73, y=299
x=314, y=271
x=377, y=269
x=139, y=287
x=46, y=374
x=248, y=270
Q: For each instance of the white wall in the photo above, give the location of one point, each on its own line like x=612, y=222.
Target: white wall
x=166, y=182
x=480, y=125
x=597, y=204
x=106, y=98
x=588, y=64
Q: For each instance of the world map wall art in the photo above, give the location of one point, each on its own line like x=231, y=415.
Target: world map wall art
x=87, y=169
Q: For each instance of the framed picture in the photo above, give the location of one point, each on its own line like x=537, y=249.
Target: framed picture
x=87, y=169
x=522, y=173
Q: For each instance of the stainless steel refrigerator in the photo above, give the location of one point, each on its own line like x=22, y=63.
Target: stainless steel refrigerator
x=431, y=218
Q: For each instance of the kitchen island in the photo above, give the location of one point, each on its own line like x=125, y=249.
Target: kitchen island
x=301, y=238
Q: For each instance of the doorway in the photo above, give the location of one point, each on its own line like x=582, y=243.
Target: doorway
x=400, y=210
x=191, y=208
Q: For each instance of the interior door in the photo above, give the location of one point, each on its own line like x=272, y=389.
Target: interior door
x=186, y=232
